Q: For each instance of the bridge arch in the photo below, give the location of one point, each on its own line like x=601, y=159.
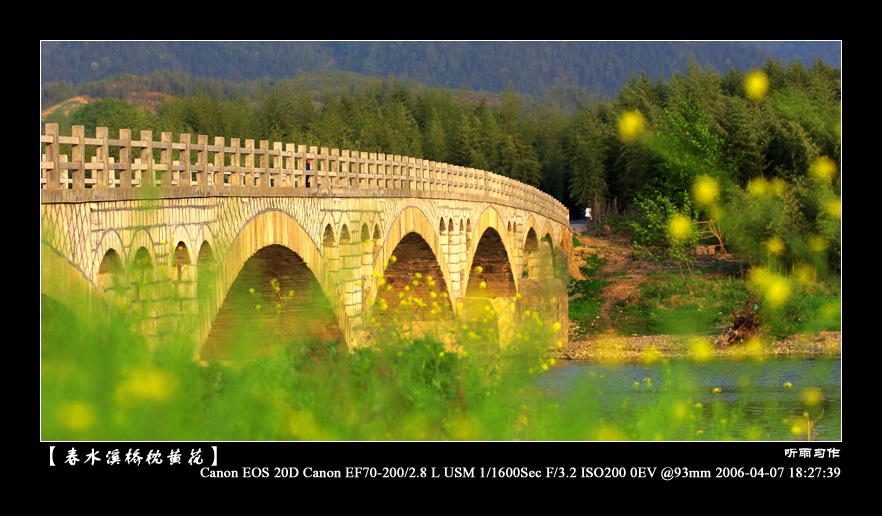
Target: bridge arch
x=495, y=254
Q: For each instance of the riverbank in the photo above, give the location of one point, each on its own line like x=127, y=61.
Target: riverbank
x=618, y=348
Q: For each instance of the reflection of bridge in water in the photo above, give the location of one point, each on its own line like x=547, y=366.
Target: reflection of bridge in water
x=182, y=232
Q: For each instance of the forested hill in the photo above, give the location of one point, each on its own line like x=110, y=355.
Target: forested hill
x=529, y=67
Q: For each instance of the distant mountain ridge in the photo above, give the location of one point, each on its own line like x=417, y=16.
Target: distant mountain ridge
x=528, y=67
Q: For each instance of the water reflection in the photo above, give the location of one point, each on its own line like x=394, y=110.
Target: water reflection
x=776, y=399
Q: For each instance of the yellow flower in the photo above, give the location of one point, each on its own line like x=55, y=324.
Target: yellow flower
x=631, y=125
x=775, y=245
x=76, y=415
x=823, y=169
x=756, y=84
x=717, y=390
x=679, y=227
x=706, y=190
x=788, y=385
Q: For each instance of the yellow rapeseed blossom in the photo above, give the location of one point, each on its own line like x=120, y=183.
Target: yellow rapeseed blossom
x=479, y=269
x=392, y=259
x=805, y=273
x=679, y=227
x=812, y=396
x=303, y=425
x=706, y=190
x=774, y=288
x=788, y=385
x=817, y=243
x=775, y=245
x=483, y=285
x=823, y=169
x=834, y=208
x=680, y=410
x=758, y=186
x=631, y=125
x=756, y=84
x=147, y=383
x=76, y=415
x=556, y=326
x=777, y=291
x=778, y=186
x=610, y=433
x=701, y=349
x=717, y=390
x=650, y=355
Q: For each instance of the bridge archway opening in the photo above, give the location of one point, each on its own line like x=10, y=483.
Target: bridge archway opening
x=491, y=274
x=142, y=271
x=328, y=236
x=182, y=259
x=111, y=275
x=412, y=296
x=274, y=303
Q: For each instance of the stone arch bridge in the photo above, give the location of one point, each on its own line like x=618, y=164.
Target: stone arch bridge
x=203, y=239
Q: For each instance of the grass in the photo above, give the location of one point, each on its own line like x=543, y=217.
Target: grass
x=101, y=381
x=671, y=303
x=584, y=309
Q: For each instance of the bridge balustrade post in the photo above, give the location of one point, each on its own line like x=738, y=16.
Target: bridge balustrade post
x=125, y=158
x=50, y=158
x=235, y=175
x=102, y=155
x=278, y=170
x=262, y=176
x=220, y=161
x=147, y=159
x=204, y=175
x=248, y=178
x=324, y=165
x=165, y=158
x=317, y=172
x=374, y=169
x=78, y=156
x=346, y=169
x=185, y=166
x=289, y=165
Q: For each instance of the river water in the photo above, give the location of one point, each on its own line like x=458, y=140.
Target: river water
x=773, y=399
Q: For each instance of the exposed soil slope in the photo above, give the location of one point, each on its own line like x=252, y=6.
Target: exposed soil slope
x=625, y=274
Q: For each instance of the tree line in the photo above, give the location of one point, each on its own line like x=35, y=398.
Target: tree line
x=701, y=145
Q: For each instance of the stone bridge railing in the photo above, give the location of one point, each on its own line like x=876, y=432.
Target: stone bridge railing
x=106, y=168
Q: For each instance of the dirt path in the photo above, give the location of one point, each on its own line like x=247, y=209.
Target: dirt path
x=625, y=274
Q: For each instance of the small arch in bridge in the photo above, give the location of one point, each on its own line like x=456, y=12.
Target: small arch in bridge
x=182, y=258
x=328, y=237
x=450, y=225
x=509, y=226
x=143, y=266
x=365, y=234
x=205, y=268
x=442, y=227
x=461, y=226
x=111, y=263
x=468, y=234
x=344, y=235
x=111, y=273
